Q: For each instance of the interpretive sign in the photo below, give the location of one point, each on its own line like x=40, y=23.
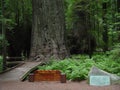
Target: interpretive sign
x=99, y=80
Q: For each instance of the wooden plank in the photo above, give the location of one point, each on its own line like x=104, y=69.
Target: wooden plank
x=26, y=73
x=20, y=72
x=9, y=69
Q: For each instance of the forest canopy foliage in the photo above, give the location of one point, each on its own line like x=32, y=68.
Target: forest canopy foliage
x=90, y=25
x=16, y=16
x=94, y=23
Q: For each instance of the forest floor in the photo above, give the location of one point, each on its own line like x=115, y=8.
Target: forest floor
x=17, y=85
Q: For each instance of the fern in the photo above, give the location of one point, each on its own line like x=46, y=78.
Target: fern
x=78, y=67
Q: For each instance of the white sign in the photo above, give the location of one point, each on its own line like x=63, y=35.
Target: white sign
x=99, y=80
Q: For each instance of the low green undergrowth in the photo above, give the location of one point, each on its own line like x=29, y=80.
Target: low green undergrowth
x=78, y=66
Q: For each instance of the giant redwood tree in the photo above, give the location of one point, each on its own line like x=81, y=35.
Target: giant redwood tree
x=48, y=38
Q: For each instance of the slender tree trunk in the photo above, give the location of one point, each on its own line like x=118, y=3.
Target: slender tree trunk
x=48, y=40
x=3, y=34
x=118, y=6
x=105, y=32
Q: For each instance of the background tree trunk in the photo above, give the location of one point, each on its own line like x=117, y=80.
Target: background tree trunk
x=48, y=30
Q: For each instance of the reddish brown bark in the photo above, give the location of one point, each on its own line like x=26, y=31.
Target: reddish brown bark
x=48, y=39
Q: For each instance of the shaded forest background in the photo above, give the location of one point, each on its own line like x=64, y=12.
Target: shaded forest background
x=91, y=26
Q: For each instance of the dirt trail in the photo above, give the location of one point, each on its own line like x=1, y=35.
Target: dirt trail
x=17, y=85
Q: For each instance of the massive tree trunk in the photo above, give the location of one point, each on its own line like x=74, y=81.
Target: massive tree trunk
x=48, y=39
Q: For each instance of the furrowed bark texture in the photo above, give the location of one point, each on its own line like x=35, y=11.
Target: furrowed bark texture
x=48, y=30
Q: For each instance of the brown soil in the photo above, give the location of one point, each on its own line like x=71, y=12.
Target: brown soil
x=17, y=85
